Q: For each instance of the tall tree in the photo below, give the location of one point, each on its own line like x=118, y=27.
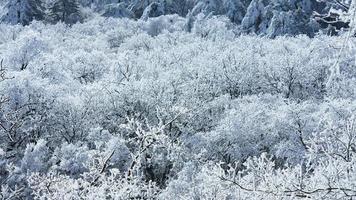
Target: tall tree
x=66, y=11
x=24, y=11
x=34, y=11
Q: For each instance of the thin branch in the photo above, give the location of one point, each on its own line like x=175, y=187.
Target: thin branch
x=103, y=167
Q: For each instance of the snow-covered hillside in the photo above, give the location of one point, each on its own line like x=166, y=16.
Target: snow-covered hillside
x=177, y=107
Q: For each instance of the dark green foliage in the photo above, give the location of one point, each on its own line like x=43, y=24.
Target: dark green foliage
x=34, y=10
x=24, y=11
x=66, y=11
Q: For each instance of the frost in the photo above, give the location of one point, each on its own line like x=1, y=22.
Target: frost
x=178, y=100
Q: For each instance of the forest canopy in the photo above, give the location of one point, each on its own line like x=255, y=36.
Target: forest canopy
x=186, y=99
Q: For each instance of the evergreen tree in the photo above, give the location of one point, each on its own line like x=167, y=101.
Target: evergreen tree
x=66, y=11
x=24, y=11
x=34, y=10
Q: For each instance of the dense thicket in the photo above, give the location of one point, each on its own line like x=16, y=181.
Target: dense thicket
x=184, y=99
x=263, y=17
x=123, y=109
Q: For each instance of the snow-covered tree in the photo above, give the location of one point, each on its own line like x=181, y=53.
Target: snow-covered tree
x=65, y=11
x=24, y=11
x=273, y=18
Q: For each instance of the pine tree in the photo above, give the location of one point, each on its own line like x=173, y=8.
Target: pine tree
x=34, y=10
x=24, y=11
x=64, y=10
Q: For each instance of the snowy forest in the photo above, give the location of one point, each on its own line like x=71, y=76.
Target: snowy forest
x=177, y=99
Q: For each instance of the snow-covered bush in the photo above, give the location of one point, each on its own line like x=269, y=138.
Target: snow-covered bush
x=117, y=108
